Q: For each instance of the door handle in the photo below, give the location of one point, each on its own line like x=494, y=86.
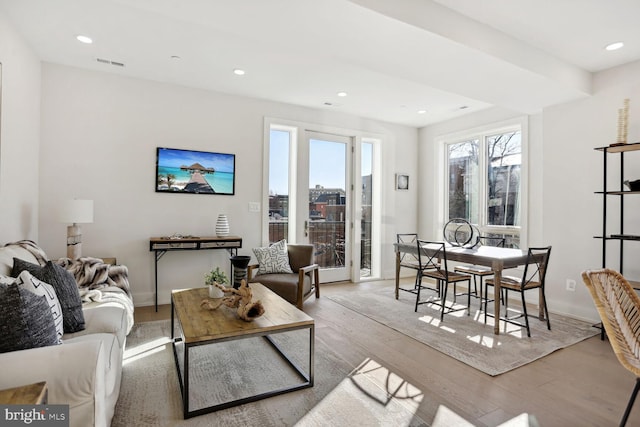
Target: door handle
x=306, y=228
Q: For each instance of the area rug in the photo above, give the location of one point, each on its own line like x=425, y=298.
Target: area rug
x=467, y=338
x=366, y=395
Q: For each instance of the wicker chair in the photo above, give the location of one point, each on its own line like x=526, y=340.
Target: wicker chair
x=619, y=309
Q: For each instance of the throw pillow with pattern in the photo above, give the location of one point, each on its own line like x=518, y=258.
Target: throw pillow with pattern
x=274, y=259
x=65, y=287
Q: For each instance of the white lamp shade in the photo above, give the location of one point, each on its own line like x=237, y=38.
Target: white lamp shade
x=77, y=211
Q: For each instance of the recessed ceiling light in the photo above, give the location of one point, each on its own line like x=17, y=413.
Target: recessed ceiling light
x=614, y=46
x=342, y=93
x=422, y=111
x=238, y=72
x=84, y=39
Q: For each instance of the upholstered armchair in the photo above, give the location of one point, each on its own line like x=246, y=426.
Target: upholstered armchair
x=296, y=286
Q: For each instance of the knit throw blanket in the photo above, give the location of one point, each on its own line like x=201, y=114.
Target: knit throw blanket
x=33, y=248
x=90, y=273
x=96, y=280
x=93, y=273
x=102, y=283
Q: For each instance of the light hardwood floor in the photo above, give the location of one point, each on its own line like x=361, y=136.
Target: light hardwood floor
x=583, y=385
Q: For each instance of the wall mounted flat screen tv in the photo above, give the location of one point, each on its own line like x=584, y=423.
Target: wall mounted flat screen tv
x=195, y=172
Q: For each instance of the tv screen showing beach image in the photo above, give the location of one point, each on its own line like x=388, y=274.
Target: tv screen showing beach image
x=195, y=172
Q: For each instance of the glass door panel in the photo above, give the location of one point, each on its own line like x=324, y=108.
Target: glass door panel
x=327, y=224
x=279, y=150
x=366, y=218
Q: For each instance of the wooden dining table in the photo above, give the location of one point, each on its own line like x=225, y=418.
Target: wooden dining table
x=494, y=257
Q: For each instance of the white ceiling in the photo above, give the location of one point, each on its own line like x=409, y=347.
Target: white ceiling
x=392, y=57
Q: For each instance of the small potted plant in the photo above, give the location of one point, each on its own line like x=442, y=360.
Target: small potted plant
x=213, y=277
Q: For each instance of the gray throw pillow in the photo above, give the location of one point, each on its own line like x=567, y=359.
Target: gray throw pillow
x=65, y=287
x=25, y=320
x=38, y=287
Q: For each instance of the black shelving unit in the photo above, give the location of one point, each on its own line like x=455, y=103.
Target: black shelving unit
x=619, y=234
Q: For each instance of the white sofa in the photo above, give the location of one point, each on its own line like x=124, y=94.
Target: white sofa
x=85, y=370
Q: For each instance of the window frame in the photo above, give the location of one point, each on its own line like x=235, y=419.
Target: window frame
x=297, y=132
x=481, y=134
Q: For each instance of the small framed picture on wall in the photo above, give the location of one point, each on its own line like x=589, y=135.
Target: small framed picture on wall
x=402, y=181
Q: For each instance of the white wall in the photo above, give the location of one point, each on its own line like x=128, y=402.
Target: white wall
x=19, y=137
x=99, y=135
x=573, y=172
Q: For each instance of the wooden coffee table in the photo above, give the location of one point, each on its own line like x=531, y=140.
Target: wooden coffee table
x=198, y=326
x=31, y=394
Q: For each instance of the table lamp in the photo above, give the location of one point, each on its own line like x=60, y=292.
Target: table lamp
x=76, y=211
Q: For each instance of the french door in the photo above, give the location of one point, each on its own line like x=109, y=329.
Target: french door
x=323, y=189
x=324, y=212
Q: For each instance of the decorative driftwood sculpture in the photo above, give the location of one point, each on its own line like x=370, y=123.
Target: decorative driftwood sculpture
x=240, y=299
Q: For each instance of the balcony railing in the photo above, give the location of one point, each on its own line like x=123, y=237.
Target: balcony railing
x=328, y=238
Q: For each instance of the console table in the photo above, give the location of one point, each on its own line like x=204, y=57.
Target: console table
x=162, y=245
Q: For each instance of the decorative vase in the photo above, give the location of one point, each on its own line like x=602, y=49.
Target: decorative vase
x=240, y=264
x=222, y=226
x=215, y=292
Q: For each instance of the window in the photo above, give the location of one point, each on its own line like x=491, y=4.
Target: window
x=484, y=183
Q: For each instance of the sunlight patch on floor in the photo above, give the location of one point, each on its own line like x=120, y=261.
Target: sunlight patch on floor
x=447, y=329
x=430, y=320
x=516, y=331
x=445, y=417
x=484, y=341
x=131, y=354
x=479, y=317
x=390, y=386
x=437, y=323
x=489, y=341
x=370, y=394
